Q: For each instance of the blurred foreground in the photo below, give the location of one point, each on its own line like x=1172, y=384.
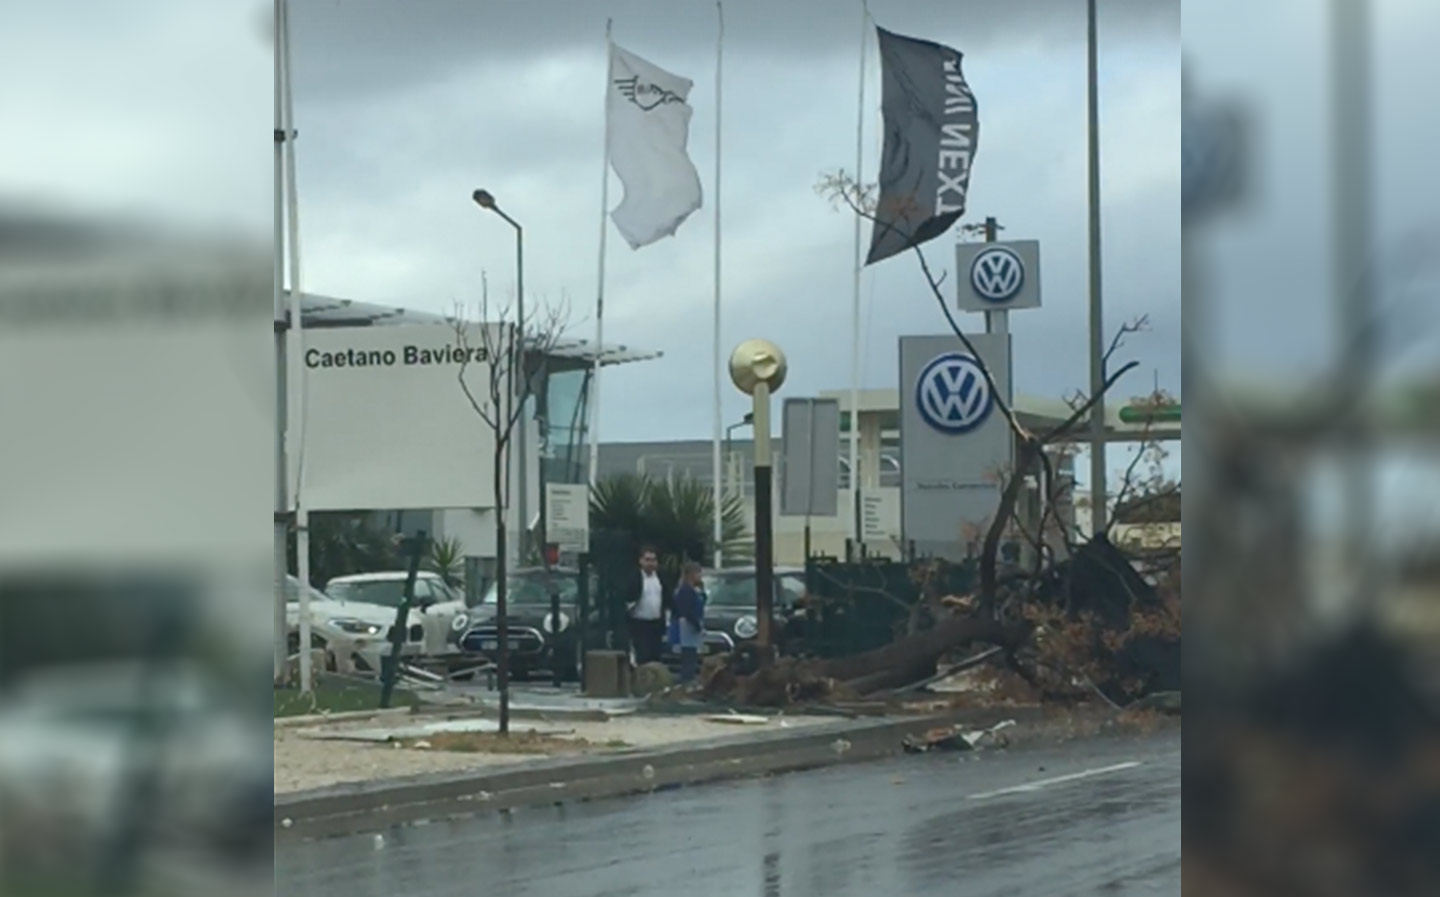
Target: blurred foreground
x=1312, y=365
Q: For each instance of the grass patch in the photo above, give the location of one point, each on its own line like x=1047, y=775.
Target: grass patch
x=336, y=697
x=514, y=743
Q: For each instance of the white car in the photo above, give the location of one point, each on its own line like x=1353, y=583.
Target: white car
x=437, y=616
x=355, y=616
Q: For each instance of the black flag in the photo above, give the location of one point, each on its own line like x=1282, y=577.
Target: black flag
x=931, y=133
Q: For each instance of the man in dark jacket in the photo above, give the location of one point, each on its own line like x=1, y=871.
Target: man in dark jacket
x=648, y=607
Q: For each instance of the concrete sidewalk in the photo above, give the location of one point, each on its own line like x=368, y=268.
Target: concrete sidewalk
x=371, y=806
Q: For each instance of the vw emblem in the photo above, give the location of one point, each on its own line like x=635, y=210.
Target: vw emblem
x=952, y=395
x=997, y=275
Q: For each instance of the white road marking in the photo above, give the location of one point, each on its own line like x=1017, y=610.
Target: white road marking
x=1042, y=783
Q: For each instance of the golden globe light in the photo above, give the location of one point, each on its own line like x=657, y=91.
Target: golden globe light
x=757, y=361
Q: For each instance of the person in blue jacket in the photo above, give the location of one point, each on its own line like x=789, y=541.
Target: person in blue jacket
x=687, y=627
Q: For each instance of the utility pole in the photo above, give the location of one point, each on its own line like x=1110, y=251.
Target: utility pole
x=1098, y=498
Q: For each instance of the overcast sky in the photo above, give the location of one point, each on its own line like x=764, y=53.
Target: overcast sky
x=404, y=109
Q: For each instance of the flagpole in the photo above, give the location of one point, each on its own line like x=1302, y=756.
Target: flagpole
x=1098, y=494
x=717, y=486
x=282, y=465
x=296, y=371
x=855, y=292
x=600, y=289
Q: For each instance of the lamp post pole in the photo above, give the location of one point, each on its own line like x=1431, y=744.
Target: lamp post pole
x=518, y=391
x=519, y=363
x=757, y=367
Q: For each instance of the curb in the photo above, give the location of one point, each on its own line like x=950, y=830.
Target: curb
x=320, y=719
x=369, y=806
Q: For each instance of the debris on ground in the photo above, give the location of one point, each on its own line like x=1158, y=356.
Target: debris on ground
x=652, y=678
x=957, y=738
x=988, y=685
x=1160, y=702
x=738, y=719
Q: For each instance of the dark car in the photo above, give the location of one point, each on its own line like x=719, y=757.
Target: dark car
x=730, y=608
x=535, y=642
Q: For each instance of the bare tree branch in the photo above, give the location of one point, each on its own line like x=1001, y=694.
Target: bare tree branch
x=1030, y=448
x=1139, y=325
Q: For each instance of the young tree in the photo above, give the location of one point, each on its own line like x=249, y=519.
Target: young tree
x=508, y=368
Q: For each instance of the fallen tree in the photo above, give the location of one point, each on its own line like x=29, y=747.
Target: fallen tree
x=740, y=679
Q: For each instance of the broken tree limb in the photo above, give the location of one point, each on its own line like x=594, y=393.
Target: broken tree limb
x=952, y=669
x=915, y=657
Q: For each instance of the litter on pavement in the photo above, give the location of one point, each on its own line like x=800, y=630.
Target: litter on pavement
x=955, y=738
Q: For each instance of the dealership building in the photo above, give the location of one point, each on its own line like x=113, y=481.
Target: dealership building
x=389, y=428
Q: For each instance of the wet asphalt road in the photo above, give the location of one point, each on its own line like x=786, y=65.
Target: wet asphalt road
x=1095, y=817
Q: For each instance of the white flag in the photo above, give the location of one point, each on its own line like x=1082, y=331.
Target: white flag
x=649, y=125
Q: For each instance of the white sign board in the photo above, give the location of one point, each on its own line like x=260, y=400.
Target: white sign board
x=880, y=516
x=387, y=423
x=955, y=444
x=998, y=276
x=567, y=515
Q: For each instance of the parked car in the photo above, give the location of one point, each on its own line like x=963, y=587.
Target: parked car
x=536, y=641
x=730, y=609
x=433, y=616
x=363, y=625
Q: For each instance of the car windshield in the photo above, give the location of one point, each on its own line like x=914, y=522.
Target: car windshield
x=292, y=591
x=384, y=592
x=532, y=589
x=738, y=590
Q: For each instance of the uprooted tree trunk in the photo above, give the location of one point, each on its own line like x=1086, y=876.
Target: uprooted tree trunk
x=911, y=658
x=915, y=657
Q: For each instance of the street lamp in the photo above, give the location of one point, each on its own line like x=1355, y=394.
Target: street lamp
x=746, y=421
x=757, y=368
x=519, y=389
x=486, y=200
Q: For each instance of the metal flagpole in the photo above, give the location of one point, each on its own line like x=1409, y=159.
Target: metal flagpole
x=855, y=297
x=594, y=427
x=1097, y=321
x=717, y=489
x=296, y=379
x=282, y=467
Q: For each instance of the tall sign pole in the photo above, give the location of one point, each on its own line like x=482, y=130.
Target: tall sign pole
x=1097, y=319
x=295, y=432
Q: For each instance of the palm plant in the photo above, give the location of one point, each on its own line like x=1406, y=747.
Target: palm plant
x=447, y=560
x=673, y=516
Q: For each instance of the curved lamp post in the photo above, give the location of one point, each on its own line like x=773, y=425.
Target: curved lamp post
x=757, y=368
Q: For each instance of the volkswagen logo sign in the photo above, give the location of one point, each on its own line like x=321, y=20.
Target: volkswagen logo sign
x=997, y=274
x=952, y=394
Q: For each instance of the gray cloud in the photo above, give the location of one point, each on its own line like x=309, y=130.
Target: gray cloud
x=348, y=47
